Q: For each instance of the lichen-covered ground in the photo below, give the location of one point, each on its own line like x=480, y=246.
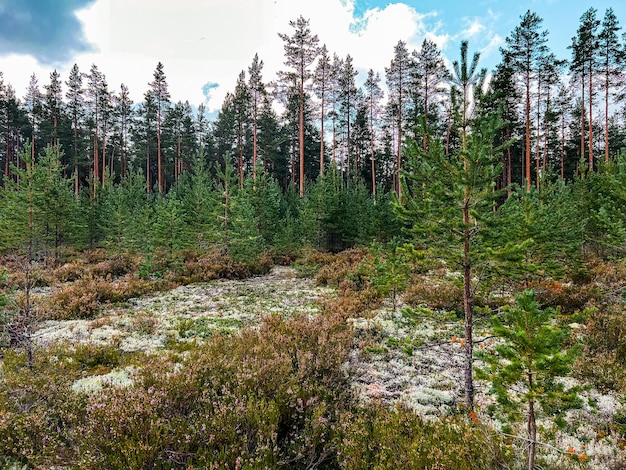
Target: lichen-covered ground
x=191, y=312
x=411, y=358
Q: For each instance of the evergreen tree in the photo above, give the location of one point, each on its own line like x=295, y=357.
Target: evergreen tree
x=348, y=105
x=75, y=106
x=610, y=60
x=467, y=83
x=199, y=200
x=537, y=233
x=525, y=47
x=96, y=88
x=429, y=76
x=144, y=133
x=301, y=50
x=34, y=107
x=257, y=92
x=241, y=110
x=124, y=114
x=373, y=95
x=523, y=368
x=583, y=66
x=449, y=198
x=169, y=230
x=321, y=85
x=398, y=76
x=52, y=105
x=161, y=97
x=122, y=208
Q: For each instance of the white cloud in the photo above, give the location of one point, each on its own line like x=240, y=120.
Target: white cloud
x=474, y=28
x=202, y=41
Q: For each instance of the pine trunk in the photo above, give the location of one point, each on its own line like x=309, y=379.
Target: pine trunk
x=590, y=118
x=372, y=155
x=322, y=135
x=159, y=162
x=582, y=120
x=527, y=148
x=532, y=433
x=467, y=307
x=301, y=135
x=606, y=116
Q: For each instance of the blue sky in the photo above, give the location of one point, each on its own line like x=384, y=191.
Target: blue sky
x=204, y=44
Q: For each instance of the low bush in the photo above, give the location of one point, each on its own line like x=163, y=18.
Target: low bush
x=440, y=295
x=340, y=266
x=379, y=438
x=603, y=362
x=83, y=298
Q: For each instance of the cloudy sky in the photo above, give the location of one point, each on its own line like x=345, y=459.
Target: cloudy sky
x=204, y=44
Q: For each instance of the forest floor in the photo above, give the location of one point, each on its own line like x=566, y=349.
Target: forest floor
x=399, y=356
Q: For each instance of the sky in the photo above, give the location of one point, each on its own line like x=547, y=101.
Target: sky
x=205, y=44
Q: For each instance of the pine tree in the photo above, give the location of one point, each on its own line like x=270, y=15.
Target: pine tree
x=144, y=134
x=348, y=105
x=124, y=114
x=199, y=200
x=75, y=107
x=34, y=107
x=449, y=198
x=467, y=82
x=531, y=356
x=398, y=76
x=301, y=50
x=429, y=76
x=610, y=59
x=526, y=46
x=583, y=66
x=257, y=92
x=52, y=104
x=373, y=95
x=169, y=228
x=161, y=97
x=322, y=84
x=241, y=110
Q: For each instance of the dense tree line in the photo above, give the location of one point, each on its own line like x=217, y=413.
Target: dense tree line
x=560, y=113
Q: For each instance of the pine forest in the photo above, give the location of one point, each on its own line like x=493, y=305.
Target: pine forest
x=421, y=267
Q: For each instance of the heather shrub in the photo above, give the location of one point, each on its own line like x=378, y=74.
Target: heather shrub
x=117, y=266
x=603, y=361
x=36, y=408
x=84, y=297
x=216, y=264
x=70, y=271
x=265, y=398
x=380, y=438
x=342, y=266
x=443, y=294
x=310, y=262
x=568, y=296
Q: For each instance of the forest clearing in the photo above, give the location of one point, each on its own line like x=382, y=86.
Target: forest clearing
x=426, y=275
